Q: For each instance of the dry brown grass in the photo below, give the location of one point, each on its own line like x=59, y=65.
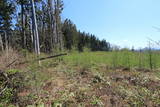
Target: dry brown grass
x=9, y=57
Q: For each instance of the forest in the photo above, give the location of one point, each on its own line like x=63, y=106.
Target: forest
x=40, y=28
x=46, y=61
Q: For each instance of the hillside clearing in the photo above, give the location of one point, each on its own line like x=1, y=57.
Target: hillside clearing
x=86, y=80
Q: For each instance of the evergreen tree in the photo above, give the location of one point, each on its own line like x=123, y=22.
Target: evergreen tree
x=6, y=12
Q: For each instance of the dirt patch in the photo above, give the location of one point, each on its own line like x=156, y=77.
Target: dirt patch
x=142, y=70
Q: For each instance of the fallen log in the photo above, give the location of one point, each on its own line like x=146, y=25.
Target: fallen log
x=49, y=57
x=44, y=58
x=11, y=63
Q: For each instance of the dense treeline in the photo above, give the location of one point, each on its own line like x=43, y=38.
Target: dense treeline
x=76, y=39
x=19, y=25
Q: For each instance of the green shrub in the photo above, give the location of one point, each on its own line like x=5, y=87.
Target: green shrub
x=6, y=97
x=15, y=84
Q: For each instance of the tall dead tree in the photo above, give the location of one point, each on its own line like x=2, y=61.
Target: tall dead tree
x=58, y=5
x=5, y=39
x=22, y=4
x=51, y=22
x=34, y=29
x=1, y=43
x=54, y=28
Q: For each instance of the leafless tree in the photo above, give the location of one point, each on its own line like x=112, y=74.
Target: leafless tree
x=1, y=43
x=34, y=28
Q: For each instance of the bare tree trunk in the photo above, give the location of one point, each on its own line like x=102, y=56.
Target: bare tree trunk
x=34, y=22
x=59, y=36
x=31, y=36
x=1, y=43
x=51, y=24
x=6, y=44
x=6, y=41
x=61, y=41
x=23, y=26
x=150, y=56
x=31, y=33
x=55, y=22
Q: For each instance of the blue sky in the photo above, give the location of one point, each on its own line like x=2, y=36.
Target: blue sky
x=122, y=22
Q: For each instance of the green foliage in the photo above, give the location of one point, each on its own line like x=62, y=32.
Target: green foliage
x=1, y=105
x=4, y=105
x=97, y=101
x=13, y=71
x=11, y=106
x=11, y=89
x=113, y=59
x=7, y=9
x=7, y=96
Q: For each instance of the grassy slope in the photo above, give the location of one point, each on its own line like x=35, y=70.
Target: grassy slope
x=114, y=59
x=92, y=79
